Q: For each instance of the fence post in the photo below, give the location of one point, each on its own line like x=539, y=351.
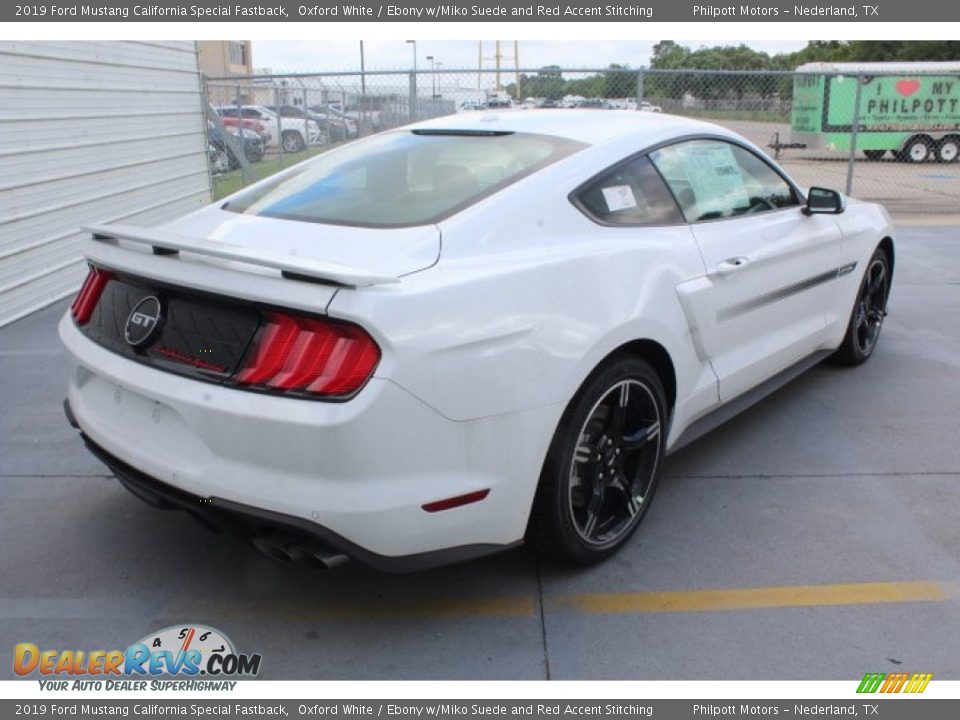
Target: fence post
x=639, y=88
x=276, y=103
x=854, y=129
x=413, y=97
x=244, y=167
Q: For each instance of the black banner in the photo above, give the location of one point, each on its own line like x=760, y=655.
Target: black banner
x=476, y=11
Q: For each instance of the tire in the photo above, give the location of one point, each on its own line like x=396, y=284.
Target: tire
x=602, y=468
x=869, y=310
x=220, y=162
x=918, y=149
x=948, y=149
x=874, y=155
x=293, y=141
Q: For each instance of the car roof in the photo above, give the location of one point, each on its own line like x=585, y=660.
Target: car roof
x=587, y=126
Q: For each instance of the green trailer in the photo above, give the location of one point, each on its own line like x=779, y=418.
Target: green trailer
x=911, y=110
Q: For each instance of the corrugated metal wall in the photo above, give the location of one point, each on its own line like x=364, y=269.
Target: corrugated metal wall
x=90, y=132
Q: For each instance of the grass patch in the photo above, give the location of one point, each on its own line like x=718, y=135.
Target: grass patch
x=231, y=182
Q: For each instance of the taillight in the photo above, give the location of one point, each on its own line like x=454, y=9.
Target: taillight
x=309, y=355
x=89, y=295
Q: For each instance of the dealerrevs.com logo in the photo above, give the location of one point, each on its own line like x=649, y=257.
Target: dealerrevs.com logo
x=183, y=651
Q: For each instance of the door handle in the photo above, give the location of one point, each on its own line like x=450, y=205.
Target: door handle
x=732, y=265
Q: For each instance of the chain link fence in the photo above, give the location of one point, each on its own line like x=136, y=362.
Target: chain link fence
x=890, y=138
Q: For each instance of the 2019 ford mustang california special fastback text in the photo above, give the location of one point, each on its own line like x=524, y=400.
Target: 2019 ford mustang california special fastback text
x=431, y=343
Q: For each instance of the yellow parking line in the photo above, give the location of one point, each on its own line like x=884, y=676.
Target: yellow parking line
x=518, y=606
x=785, y=596
x=359, y=609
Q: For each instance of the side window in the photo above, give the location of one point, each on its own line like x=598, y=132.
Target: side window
x=713, y=179
x=252, y=113
x=630, y=194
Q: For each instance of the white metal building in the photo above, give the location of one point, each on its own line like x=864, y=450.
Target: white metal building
x=90, y=132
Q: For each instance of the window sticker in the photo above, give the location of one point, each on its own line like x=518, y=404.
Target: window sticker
x=619, y=197
x=715, y=178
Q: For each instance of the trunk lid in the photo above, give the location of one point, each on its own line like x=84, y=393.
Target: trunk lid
x=392, y=252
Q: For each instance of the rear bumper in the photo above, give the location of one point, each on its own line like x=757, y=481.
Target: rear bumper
x=272, y=532
x=354, y=475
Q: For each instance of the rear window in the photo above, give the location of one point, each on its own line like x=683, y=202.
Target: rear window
x=402, y=178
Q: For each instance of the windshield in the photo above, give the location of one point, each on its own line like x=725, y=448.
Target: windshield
x=402, y=178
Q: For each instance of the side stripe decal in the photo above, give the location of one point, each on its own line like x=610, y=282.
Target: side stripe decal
x=732, y=311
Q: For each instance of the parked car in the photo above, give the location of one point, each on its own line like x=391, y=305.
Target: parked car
x=472, y=105
x=248, y=124
x=350, y=127
x=648, y=107
x=375, y=118
x=595, y=104
x=332, y=129
x=218, y=159
x=252, y=145
x=294, y=134
x=306, y=361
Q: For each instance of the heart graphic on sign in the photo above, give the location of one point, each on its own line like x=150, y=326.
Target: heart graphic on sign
x=908, y=87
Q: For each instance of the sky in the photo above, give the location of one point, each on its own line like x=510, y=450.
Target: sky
x=305, y=56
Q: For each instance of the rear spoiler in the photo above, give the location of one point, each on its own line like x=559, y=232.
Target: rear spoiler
x=290, y=266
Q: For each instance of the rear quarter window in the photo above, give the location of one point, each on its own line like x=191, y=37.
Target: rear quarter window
x=631, y=193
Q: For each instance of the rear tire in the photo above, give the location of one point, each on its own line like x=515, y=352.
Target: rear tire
x=293, y=141
x=220, y=162
x=869, y=310
x=602, y=469
x=948, y=149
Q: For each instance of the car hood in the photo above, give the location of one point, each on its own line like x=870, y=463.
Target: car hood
x=391, y=252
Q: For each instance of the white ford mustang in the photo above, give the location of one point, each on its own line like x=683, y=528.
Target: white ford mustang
x=413, y=349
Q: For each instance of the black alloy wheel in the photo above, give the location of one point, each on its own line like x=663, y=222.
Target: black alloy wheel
x=869, y=311
x=602, y=470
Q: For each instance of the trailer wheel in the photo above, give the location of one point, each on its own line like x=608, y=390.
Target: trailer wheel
x=918, y=149
x=874, y=155
x=948, y=149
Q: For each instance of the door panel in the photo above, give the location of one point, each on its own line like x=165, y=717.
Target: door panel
x=762, y=303
x=770, y=270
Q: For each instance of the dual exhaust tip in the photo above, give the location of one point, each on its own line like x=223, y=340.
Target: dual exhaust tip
x=288, y=547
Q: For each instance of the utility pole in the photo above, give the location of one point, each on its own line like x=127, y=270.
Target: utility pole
x=363, y=89
x=516, y=69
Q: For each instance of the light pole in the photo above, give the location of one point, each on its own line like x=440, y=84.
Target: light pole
x=413, y=83
x=363, y=87
x=414, y=43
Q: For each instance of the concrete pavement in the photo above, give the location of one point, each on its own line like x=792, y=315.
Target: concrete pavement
x=813, y=537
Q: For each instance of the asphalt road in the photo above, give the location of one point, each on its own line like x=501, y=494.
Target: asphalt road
x=813, y=537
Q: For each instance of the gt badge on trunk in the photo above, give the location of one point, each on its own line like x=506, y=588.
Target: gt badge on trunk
x=143, y=322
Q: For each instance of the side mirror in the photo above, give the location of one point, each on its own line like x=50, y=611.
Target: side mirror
x=823, y=201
